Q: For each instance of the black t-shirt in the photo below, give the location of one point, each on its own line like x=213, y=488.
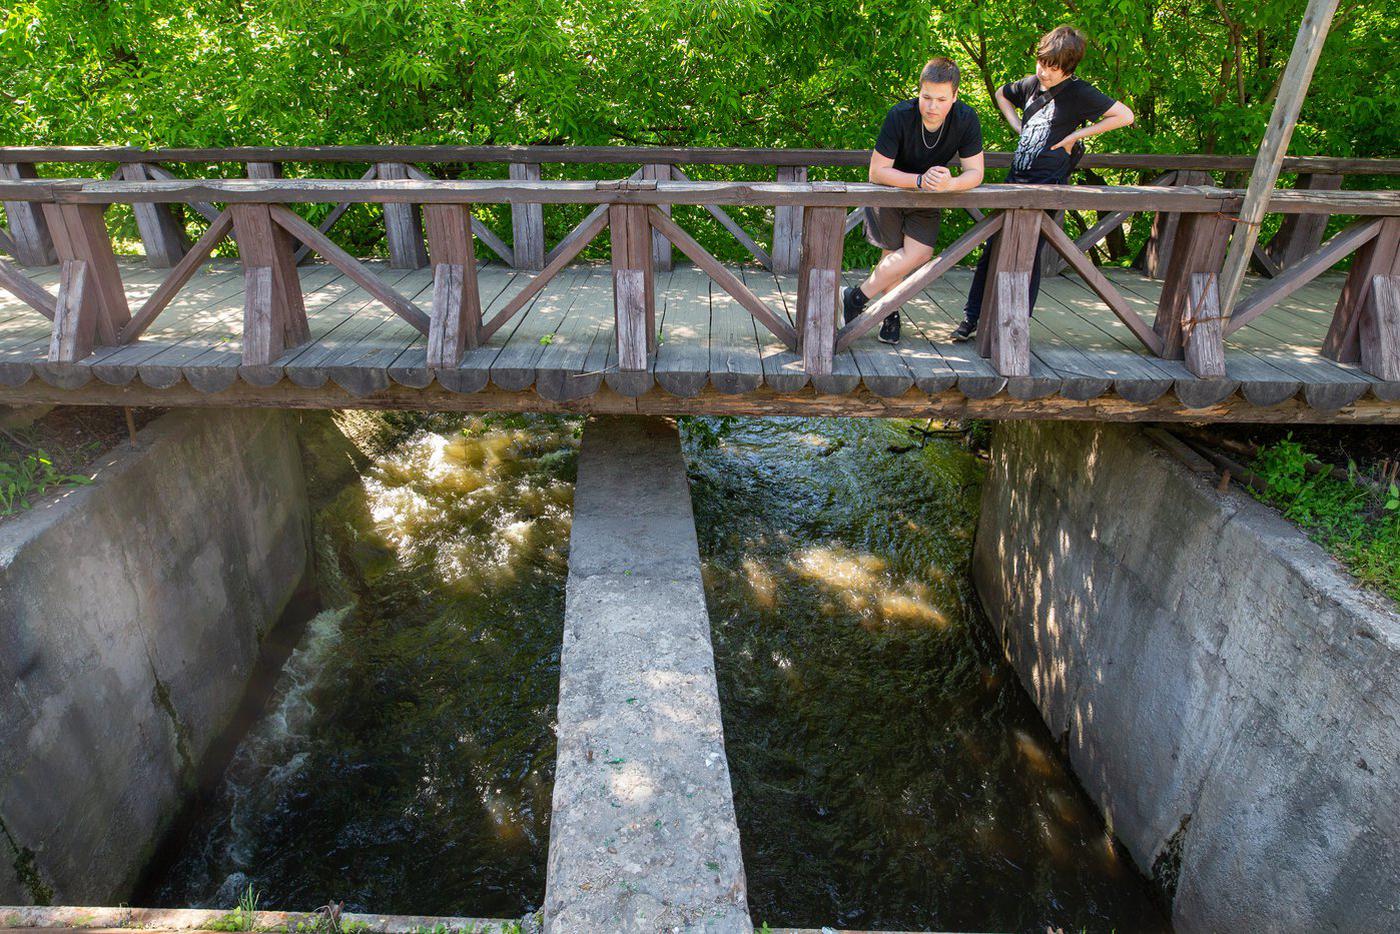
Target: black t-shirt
x=1074, y=103
x=914, y=149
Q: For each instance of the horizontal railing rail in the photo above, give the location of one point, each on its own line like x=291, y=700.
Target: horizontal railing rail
x=808, y=194
x=90, y=309
x=671, y=155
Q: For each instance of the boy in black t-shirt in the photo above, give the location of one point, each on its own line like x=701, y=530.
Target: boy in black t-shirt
x=919, y=138
x=1053, y=104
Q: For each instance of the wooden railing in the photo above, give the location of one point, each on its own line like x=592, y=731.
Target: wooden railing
x=90, y=308
x=165, y=241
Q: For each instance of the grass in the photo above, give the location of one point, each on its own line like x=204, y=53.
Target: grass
x=1357, y=525
x=27, y=477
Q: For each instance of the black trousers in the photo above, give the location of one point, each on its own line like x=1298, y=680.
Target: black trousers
x=1043, y=172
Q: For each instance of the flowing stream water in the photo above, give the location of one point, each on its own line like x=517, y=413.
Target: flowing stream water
x=888, y=770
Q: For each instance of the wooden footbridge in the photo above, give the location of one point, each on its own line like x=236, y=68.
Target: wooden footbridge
x=297, y=321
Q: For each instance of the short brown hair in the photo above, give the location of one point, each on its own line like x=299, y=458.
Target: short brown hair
x=940, y=70
x=1062, y=48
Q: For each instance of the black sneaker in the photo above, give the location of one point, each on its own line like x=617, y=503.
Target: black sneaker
x=964, y=331
x=851, y=305
x=889, y=329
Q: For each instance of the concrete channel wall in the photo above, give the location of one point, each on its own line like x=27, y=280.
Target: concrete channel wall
x=131, y=613
x=1225, y=692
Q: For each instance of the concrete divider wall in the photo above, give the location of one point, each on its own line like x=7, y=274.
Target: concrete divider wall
x=1225, y=692
x=131, y=613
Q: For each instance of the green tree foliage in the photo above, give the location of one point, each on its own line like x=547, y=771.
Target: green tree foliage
x=1201, y=74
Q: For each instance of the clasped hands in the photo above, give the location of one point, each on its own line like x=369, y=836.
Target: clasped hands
x=937, y=178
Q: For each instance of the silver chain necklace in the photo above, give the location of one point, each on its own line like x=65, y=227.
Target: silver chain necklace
x=937, y=139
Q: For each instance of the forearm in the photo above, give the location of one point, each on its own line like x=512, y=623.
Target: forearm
x=1111, y=122
x=888, y=175
x=966, y=181
x=1008, y=113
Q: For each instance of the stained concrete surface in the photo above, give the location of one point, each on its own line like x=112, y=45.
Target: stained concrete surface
x=643, y=835
x=1226, y=692
x=131, y=612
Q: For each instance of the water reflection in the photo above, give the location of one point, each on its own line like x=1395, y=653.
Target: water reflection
x=406, y=762
x=889, y=772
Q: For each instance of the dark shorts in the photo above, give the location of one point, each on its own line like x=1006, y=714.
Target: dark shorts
x=886, y=228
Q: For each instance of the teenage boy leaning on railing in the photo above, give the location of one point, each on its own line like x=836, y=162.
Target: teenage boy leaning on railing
x=918, y=139
x=1053, y=104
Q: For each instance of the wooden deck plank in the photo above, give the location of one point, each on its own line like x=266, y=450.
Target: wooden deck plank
x=882, y=366
x=845, y=374
x=1327, y=385
x=474, y=371
x=204, y=303
x=24, y=338
x=975, y=377
x=1133, y=374
x=362, y=368
x=1079, y=349
x=735, y=363
x=215, y=367
x=514, y=366
x=572, y=366
x=782, y=368
x=1192, y=391
x=1071, y=307
x=1044, y=379
x=410, y=368
x=683, y=356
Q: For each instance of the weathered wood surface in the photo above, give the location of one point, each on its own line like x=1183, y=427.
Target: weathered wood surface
x=162, y=232
x=527, y=222
x=561, y=349
x=643, y=154
x=403, y=224
x=1378, y=256
x=1301, y=234
x=811, y=194
x=28, y=228
x=1288, y=101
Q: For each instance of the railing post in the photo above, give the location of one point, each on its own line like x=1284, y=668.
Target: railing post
x=274, y=315
x=787, y=225
x=1157, y=252
x=1378, y=257
x=162, y=233
x=1005, y=333
x=1184, y=310
x=818, y=287
x=634, y=302
x=527, y=221
x=403, y=225
x=91, y=306
x=660, y=246
x=1301, y=234
x=1380, y=329
x=456, y=317
x=29, y=229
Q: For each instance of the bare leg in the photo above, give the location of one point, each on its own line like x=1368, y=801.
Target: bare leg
x=895, y=265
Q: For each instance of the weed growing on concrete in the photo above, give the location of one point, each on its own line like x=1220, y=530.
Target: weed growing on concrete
x=243, y=917
x=26, y=479
x=1358, y=526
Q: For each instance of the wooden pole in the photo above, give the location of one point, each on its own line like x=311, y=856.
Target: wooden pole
x=1312, y=33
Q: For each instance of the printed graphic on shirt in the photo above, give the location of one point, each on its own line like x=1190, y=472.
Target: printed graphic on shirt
x=1035, y=137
